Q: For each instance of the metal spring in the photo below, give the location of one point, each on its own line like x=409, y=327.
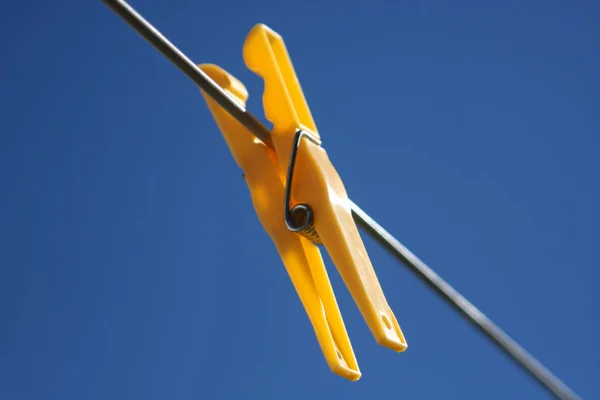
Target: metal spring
x=300, y=218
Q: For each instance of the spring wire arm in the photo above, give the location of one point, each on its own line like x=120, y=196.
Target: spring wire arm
x=525, y=360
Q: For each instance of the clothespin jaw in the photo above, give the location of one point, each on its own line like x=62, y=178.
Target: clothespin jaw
x=301, y=258
x=316, y=183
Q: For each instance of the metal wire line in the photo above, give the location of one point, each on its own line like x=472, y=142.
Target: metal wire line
x=525, y=360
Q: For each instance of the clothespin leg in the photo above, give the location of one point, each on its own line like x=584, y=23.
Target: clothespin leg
x=302, y=260
x=317, y=184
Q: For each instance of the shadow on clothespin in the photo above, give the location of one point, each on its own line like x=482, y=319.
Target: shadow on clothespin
x=298, y=176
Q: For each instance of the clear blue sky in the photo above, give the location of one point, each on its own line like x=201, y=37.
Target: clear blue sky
x=132, y=265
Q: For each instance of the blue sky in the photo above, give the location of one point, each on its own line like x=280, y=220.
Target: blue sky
x=132, y=265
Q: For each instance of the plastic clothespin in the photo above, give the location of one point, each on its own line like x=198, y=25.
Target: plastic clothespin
x=298, y=171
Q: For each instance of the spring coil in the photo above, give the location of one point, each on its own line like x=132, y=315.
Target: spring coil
x=300, y=218
x=303, y=223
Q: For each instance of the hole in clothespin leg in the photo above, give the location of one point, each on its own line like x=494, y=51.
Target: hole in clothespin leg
x=386, y=321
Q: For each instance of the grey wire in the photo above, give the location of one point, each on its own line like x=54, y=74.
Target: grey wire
x=462, y=305
x=525, y=360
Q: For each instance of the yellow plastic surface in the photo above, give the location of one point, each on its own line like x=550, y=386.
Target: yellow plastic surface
x=302, y=259
x=317, y=183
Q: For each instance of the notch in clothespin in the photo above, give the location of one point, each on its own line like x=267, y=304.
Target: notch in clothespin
x=296, y=174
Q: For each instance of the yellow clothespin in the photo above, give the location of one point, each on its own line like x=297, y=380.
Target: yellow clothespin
x=298, y=172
